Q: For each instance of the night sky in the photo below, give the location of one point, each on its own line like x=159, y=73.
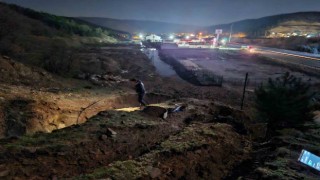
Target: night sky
x=196, y=12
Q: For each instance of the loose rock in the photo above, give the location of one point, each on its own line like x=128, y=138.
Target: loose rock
x=111, y=133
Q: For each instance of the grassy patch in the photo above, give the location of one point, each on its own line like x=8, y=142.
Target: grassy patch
x=189, y=139
x=54, y=139
x=280, y=169
x=119, y=170
x=192, y=137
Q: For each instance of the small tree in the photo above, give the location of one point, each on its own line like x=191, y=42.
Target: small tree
x=284, y=103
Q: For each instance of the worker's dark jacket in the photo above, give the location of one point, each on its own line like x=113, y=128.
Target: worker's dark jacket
x=140, y=88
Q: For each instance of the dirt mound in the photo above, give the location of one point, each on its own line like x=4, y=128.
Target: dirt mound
x=127, y=63
x=83, y=148
x=155, y=111
x=13, y=72
x=25, y=116
x=278, y=158
x=128, y=145
x=205, y=151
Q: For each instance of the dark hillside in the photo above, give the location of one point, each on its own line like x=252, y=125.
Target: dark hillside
x=138, y=26
x=69, y=25
x=258, y=27
x=45, y=40
x=251, y=27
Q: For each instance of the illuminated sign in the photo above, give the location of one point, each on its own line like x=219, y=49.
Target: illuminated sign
x=218, y=31
x=310, y=159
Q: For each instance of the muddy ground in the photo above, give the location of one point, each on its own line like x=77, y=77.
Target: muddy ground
x=34, y=100
x=50, y=123
x=233, y=65
x=142, y=146
x=60, y=128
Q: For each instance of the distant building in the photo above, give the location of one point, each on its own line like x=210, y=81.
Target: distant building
x=153, y=38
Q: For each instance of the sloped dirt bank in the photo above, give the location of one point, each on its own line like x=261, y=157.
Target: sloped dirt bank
x=82, y=148
x=199, y=151
x=27, y=116
x=278, y=157
x=130, y=145
x=195, y=75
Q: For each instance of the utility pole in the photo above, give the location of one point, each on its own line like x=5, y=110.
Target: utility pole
x=218, y=32
x=244, y=90
x=231, y=29
x=217, y=42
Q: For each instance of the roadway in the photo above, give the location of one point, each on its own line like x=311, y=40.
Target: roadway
x=287, y=56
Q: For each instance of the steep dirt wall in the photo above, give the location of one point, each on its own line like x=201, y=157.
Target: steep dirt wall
x=2, y=123
x=26, y=116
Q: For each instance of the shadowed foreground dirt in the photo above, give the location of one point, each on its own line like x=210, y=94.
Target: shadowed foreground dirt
x=208, y=140
x=142, y=146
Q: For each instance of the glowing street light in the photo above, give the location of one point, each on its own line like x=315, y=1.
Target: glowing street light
x=171, y=37
x=187, y=37
x=141, y=36
x=224, y=41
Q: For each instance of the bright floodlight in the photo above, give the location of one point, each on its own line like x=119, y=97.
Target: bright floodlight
x=187, y=37
x=171, y=37
x=252, y=50
x=141, y=36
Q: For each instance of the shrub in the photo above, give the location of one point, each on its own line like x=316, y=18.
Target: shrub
x=284, y=103
x=57, y=59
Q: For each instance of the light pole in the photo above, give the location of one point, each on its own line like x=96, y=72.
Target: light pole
x=231, y=28
x=217, y=42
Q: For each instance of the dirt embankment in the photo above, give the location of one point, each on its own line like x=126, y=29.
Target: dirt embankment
x=208, y=140
x=15, y=73
x=27, y=116
x=190, y=144
x=33, y=100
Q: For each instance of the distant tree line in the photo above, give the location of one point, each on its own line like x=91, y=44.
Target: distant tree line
x=67, y=25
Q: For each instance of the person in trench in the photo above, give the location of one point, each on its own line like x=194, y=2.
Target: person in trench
x=141, y=91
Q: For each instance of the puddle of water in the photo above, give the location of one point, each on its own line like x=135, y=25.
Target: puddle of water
x=162, y=68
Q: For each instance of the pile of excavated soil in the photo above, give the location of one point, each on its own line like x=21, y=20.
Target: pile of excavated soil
x=199, y=151
x=13, y=72
x=130, y=145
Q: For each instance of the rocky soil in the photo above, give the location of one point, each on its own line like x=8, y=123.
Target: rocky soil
x=189, y=144
x=91, y=127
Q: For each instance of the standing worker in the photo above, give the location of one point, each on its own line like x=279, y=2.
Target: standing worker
x=140, y=89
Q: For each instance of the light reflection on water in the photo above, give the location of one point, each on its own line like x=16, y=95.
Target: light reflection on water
x=162, y=68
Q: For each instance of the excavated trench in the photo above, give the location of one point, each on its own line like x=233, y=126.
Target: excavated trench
x=26, y=116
